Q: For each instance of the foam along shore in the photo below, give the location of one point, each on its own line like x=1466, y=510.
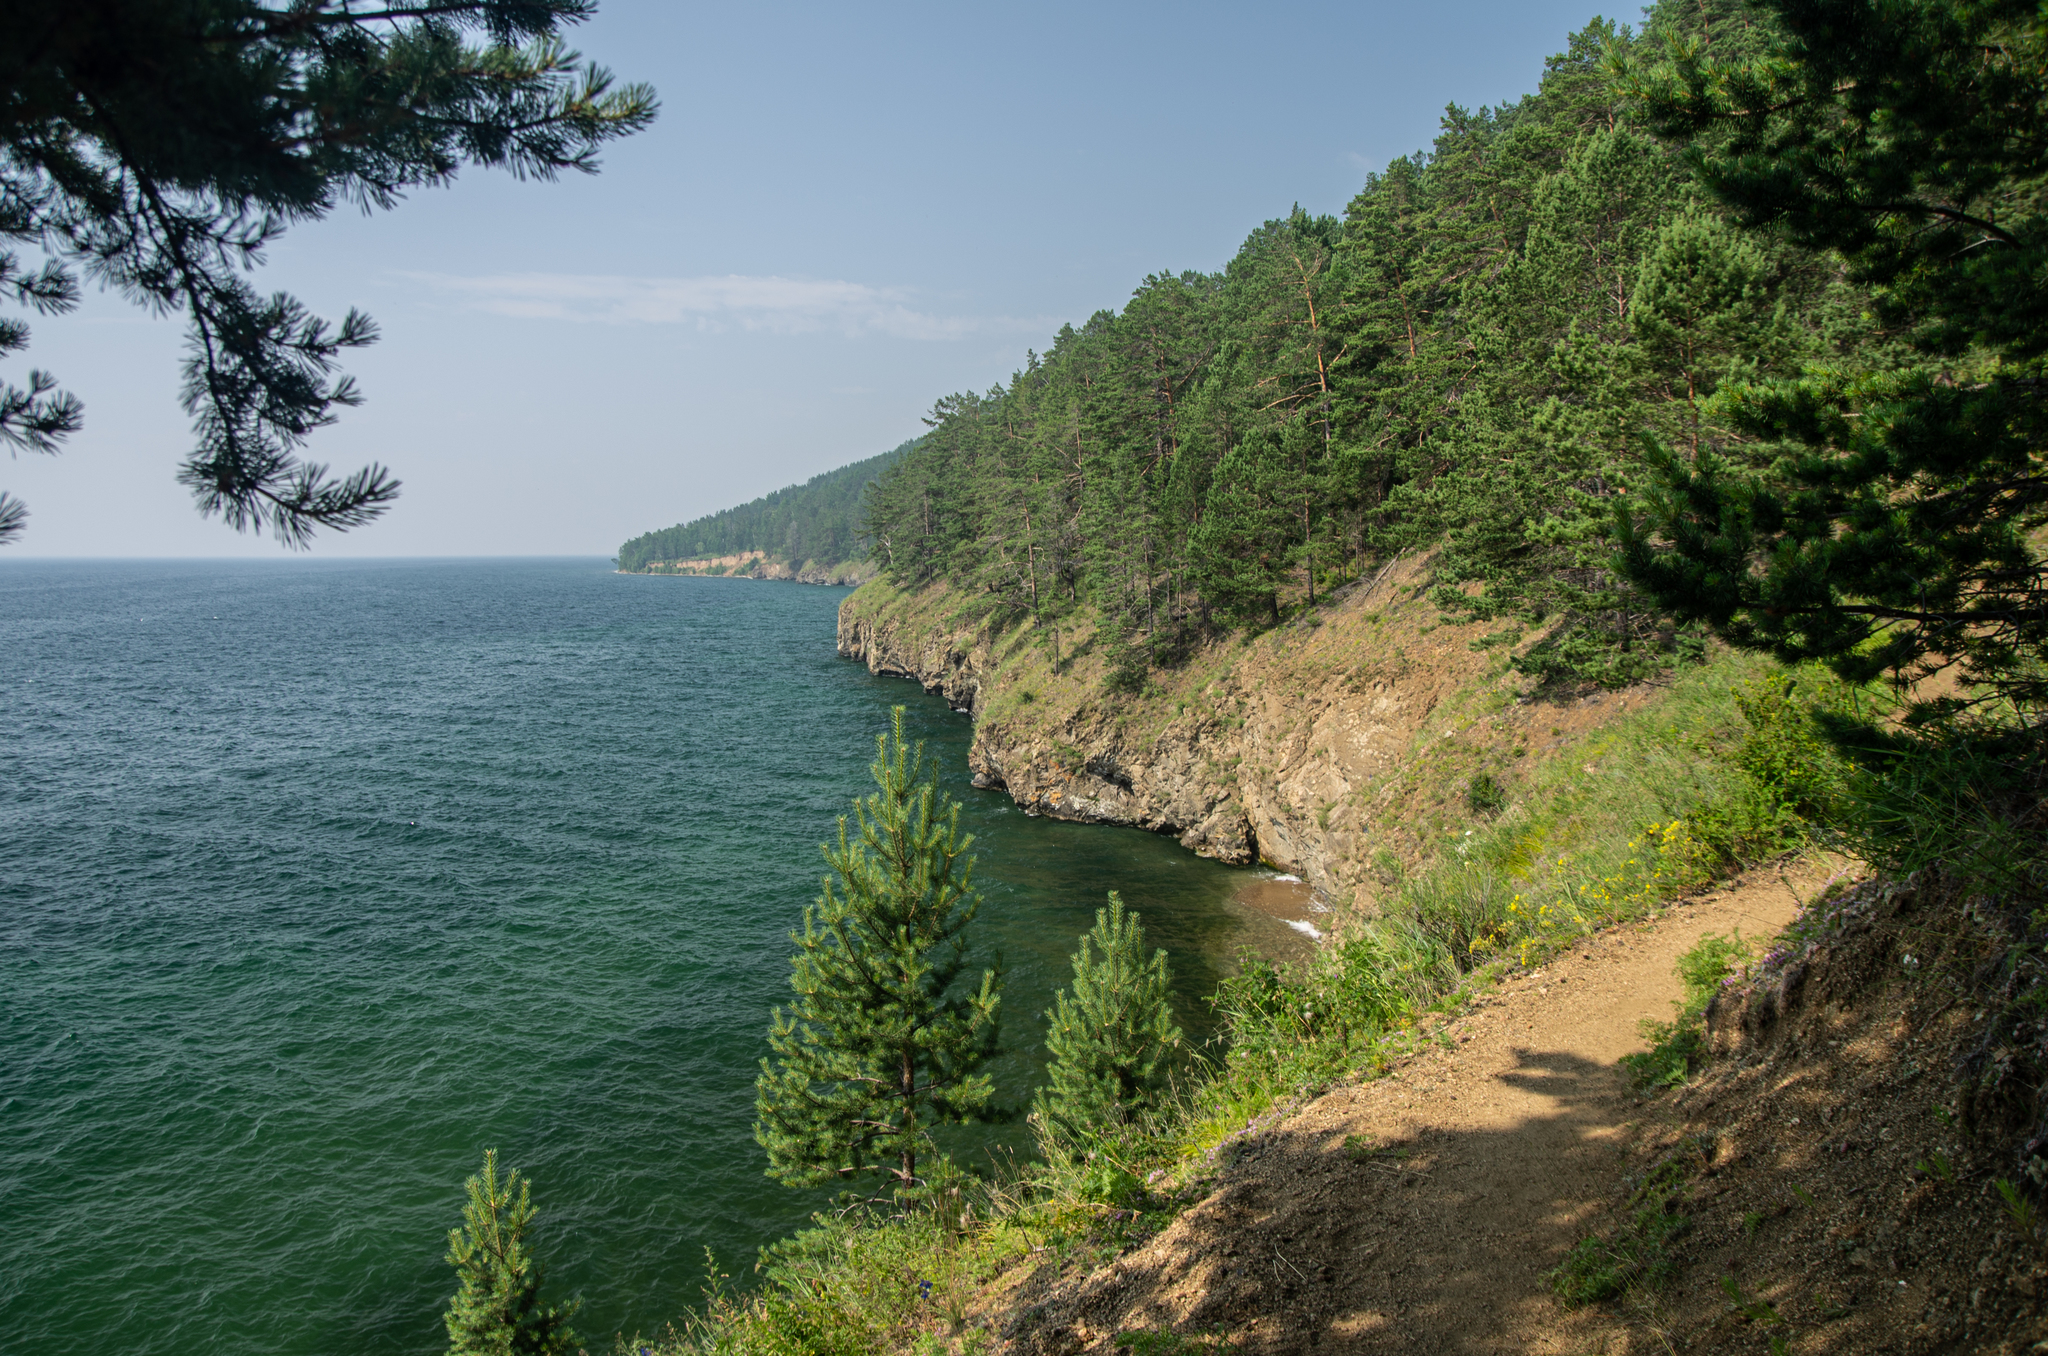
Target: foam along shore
x=1282, y=917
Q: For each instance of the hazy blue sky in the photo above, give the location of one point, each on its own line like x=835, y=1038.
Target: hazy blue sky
x=843, y=213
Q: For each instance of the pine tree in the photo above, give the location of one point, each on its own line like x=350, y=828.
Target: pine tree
x=1696, y=318
x=159, y=147
x=1246, y=540
x=498, y=1311
x=1540, y=442
x=1897, y=530
x=878, y=1047
x=1109, y=1041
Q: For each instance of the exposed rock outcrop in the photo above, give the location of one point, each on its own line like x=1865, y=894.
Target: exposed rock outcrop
x=1073, y=770
x=845, y=572
x=760, y=565
x=1297, y=748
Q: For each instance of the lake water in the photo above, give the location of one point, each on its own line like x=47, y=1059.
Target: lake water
x=318, y=877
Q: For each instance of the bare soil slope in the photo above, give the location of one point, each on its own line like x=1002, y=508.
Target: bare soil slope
x=1871, y=1090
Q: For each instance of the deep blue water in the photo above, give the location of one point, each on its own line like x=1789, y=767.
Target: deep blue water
x=316, y=878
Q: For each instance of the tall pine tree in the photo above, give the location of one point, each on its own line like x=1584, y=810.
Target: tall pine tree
x=880, y=1044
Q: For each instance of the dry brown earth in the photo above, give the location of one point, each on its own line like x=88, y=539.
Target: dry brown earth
x=1503, y=1151
x=1515, y=1136
x=1336, y=747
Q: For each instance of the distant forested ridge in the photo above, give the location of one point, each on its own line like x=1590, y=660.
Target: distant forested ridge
x=815, y=522
x=1471, y=358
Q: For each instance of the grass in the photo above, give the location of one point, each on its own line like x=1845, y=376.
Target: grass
x=2019, y=1208
x=868, y=1282
x=1676, y=1045
x=1726, y=770
x=1722, y=771
x=1639, y=1254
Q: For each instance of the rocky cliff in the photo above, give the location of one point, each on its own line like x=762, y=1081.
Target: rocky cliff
x=1339, y=747
x=759, y=565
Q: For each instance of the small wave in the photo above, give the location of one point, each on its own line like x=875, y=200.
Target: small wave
x=1293, y=879
x=1303, y=926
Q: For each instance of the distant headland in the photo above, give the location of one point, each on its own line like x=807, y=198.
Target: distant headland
x=761, y=565
x=809, y=533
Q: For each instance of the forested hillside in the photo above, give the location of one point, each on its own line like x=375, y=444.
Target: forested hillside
x=1473, y=355
x=814, y=522
x=1732, y=338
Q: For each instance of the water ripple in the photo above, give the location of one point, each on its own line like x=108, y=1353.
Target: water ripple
x=316, y=878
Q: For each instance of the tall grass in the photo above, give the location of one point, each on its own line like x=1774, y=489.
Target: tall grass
x=1728, y=769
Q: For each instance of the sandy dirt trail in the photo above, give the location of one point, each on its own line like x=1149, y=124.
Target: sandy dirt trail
x=1504, y=1144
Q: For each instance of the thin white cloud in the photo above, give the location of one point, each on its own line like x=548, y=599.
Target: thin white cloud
x=771, y=305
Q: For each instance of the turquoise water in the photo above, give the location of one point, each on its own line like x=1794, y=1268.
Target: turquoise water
x=316, y=878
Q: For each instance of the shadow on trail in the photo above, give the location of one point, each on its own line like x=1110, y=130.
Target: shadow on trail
x=1434, y=1240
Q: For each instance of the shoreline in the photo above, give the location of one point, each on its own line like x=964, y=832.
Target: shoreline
x=842, y=575
x=743, y=578
x=1281, y=916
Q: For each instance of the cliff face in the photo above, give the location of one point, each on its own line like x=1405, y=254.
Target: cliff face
x=759, y=565
x=845, y=572
x=1339, y=750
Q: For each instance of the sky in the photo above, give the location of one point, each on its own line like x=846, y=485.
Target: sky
x=843, y=213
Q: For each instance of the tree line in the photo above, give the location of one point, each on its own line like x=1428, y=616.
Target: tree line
x=1470, y=357
x=1738, y=325
x=816, y=521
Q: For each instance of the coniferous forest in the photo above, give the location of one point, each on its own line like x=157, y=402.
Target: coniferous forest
x=1729, y=337
x=1475, y=356
x=816, y=521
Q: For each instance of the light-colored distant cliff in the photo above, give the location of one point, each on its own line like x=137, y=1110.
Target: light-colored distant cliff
x=759, y=565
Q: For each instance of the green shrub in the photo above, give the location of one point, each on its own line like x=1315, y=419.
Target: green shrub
x=1599, y=1269
x=1301, y=1023
x=1464, y=909
x=1484, y=795
x=1577, y=653
x=1127, y=663
x=1107, y=1182
x=1792, y=778
x=855, y=1284
x=1710, y=960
